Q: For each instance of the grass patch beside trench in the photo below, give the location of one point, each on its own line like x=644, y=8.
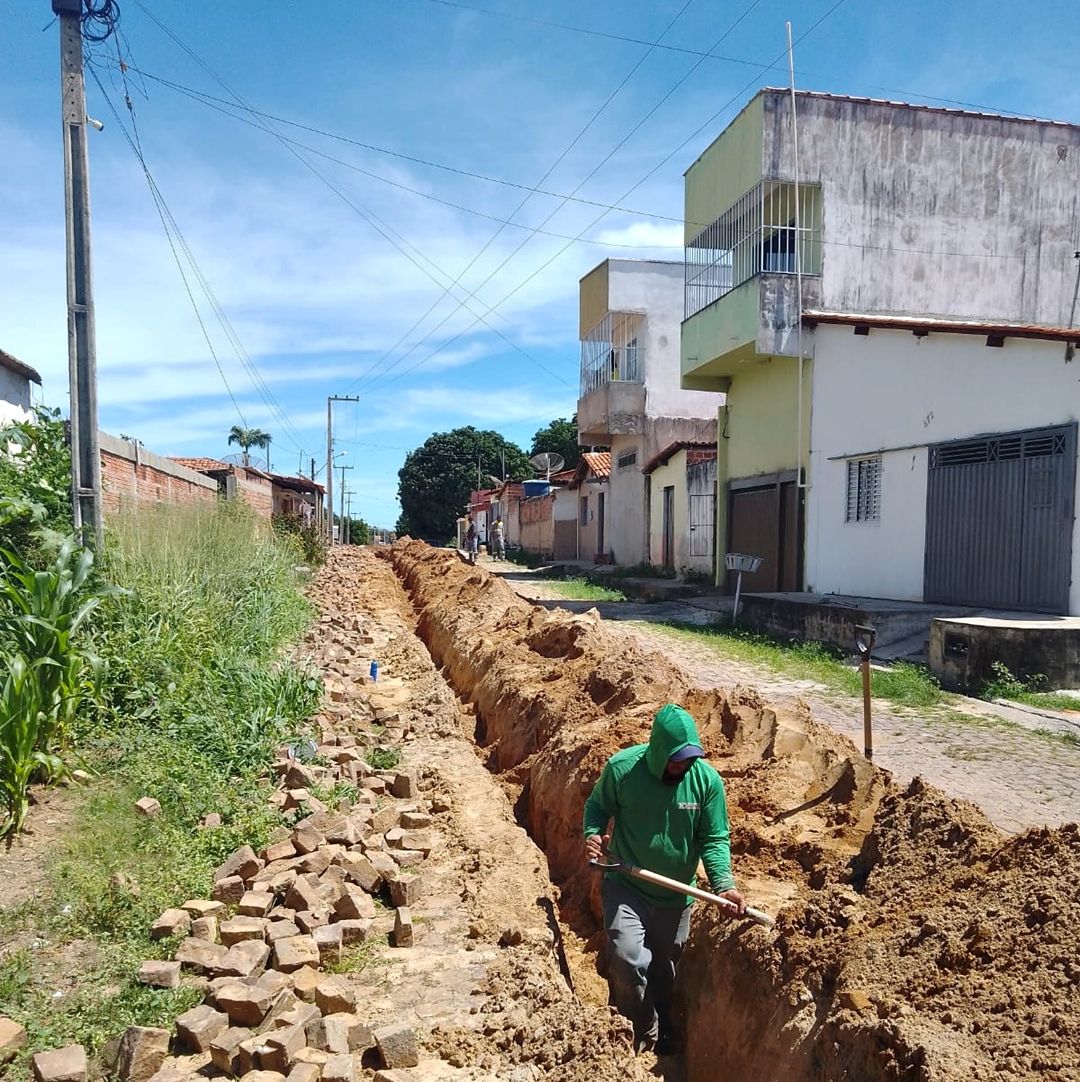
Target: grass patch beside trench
x=903, y=683
x=197, y=697
x=580, y=589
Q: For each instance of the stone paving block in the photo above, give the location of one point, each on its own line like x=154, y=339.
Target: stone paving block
x=171, y=922
x=199, y=955
x=197, y=1028
x=340, y=1034
x=148, y=807
x=312, y=1055
x=239, y=929
x=398, y=1045
x=299, y=1014
x=393, y=837
x=329, y=940
x=374, y=785
x=335, y=995
x=229, y=890
x=385, y=819
x=279, y=929
x=292, y=954
x=404, y=787
x=414, y=820
x=354, y=904
x=384, y=863
x=263, y=1076
x=205, y=928
x=359, y=870
x=307, y=839
x=405, y=889
x=315, y=863
x=309, y=920
x=157, y=974
x=354, y=931
x=340, y=1069
x=407, y=858
x=12, y=1039
x=255, y=903
x=245, y=1004
x=403, y=927
x=304, y=895
x=417, y=839
x=142, y=1052
x=243, y=863
x=393, y=1076
x=304, y=1072
x=282, y=1045
x=225, y=1049
x=246, y=959
x=200, y=907
x=279, y=850
x=61, y=1065
x=306, y=980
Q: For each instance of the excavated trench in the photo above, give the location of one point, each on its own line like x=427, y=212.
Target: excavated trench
x=914, y=941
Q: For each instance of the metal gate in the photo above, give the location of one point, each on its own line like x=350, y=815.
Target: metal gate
x=765, y=519
x=999, y=520
x=702, y=524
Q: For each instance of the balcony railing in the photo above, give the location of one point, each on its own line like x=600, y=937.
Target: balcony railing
x=756, y=234
x=610, y=351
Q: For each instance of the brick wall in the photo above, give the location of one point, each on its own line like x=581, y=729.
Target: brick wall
x=132, y=475
x=256, y=491
x=537, y=516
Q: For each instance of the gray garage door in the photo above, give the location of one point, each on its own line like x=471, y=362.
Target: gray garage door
x=999, y=520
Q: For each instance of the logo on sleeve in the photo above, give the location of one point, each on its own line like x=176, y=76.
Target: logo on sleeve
x=689, y=805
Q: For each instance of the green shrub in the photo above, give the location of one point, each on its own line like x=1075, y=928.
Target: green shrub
x=310, y=539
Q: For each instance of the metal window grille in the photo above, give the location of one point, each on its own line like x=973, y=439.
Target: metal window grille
x=611, y=353
x=863, y=490
x=626, y=459
x=583, y=510
x=754, y=235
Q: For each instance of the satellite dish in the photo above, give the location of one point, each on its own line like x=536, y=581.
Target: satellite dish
x=547, y=463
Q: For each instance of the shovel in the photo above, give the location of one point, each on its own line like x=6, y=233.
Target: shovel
x=756, y=915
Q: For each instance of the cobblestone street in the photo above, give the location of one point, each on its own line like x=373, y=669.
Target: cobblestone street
x=972, y=749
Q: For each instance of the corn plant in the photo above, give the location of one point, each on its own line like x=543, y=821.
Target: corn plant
x=45, y=674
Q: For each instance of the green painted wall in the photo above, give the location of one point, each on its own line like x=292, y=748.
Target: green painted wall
x=717, y=341
x=762, y=419
x=730, y=167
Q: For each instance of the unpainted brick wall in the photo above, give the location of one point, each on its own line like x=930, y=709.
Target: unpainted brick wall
x=256, y=491
x=538, y=524
x=125, y=485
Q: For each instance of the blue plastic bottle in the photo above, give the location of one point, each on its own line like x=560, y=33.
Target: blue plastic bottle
x=374, y=670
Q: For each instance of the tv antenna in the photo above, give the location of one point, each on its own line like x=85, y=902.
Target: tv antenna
x=547, y=463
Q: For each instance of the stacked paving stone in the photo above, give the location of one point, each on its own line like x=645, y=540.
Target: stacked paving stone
x=277, y=918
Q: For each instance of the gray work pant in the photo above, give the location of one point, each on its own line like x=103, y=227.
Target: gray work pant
x=645, y=944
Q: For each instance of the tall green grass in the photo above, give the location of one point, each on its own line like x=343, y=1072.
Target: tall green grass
x=198, y=691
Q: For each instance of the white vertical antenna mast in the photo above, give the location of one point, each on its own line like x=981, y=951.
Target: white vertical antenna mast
x=799, y=479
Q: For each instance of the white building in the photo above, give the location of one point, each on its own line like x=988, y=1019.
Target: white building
x=943, y=463
x=15, y=390
x=631, y=400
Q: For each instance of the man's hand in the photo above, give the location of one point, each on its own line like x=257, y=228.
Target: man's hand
x=736, y=898
x=595, y=844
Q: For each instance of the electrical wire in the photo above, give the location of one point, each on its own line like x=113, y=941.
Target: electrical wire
x=174, y=236
x=99, y=20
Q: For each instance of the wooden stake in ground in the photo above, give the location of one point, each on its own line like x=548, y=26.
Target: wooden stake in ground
x=865, y=637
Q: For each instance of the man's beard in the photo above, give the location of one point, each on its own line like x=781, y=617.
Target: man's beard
x=671, y=779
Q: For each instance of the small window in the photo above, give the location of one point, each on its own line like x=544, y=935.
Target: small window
x=583, y=504
x=863, y=490
x=627, y=459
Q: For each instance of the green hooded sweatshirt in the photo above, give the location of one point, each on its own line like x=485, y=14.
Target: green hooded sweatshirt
x=664, y=828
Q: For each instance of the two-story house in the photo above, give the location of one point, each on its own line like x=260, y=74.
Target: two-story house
x=891, y=325
x=631, y=401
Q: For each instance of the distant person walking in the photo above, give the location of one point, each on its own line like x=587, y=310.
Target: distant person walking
x=472, y=540
x=498, y=538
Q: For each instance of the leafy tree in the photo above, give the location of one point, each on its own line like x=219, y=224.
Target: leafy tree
x=560, y=437
x=247, y=438
x=435, y=482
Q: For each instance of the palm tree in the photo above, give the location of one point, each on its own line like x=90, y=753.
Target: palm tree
x=248, y=438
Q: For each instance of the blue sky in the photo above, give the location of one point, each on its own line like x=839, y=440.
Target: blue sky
x=317, y=300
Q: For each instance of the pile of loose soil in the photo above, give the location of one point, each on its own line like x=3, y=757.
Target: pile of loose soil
x=914, y=940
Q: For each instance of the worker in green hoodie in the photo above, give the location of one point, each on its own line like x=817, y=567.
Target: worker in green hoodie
x=669, y=812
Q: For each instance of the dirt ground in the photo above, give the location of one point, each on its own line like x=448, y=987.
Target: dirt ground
x=914, y=939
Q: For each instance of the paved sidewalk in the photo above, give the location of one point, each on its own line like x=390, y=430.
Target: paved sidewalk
x=978, y=751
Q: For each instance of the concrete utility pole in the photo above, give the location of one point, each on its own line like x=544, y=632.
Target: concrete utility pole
x=348, y=519
x=82, y=356
x=341, y=515
x=330, y=400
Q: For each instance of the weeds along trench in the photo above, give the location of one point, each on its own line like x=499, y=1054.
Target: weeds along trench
x=914, y=940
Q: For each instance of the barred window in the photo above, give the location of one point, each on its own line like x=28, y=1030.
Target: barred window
x=583, y=510
x=863, y=490
x=627, y=458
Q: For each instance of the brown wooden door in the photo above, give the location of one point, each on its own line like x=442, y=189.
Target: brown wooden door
x=766, y=520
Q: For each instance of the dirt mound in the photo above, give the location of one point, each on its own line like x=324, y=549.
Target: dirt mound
x=914, y=941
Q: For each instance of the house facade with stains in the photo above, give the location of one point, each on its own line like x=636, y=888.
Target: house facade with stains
x=892, y=327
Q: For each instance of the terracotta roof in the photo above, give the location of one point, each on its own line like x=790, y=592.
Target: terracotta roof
x=563, y=477
x=13, y=364
x=296, y=484
x=599, y=462
x=997, y=329
x=672, y=449
x=202, y=465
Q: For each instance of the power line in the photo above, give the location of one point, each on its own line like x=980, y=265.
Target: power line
x=172, y=229
x=686, y=50
x=491, y=240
